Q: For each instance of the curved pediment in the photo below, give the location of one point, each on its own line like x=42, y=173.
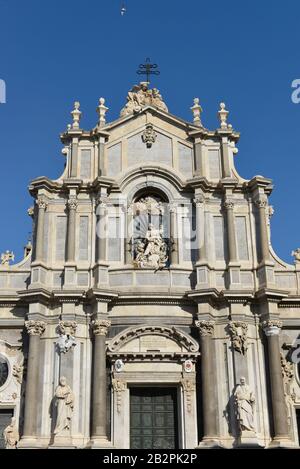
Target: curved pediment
x=153, y=339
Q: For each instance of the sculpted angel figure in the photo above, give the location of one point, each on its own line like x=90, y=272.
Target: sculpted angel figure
x=65, y=404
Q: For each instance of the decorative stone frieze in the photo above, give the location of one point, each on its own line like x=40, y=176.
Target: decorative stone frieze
x=188, y=387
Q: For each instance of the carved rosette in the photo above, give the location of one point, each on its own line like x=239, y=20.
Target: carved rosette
x=41, y=203
x=35, y=327
x=72, y=203
x=119, y=387
x=206, y=328
x=239, y=336
x=272, y=327
x=101, y=326
x=188, y=387
x=67, y=327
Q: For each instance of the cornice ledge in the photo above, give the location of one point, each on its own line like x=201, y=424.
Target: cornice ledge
x=102, y=181
x=271, y=294
x=43, y=182
x=202, y=294
x=200, y=182
x=34, y=293
x=102, y=295
x=68, y=295
x=260, y=182
x=237, y=296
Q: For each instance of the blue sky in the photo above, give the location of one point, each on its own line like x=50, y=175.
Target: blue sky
x=245, y=53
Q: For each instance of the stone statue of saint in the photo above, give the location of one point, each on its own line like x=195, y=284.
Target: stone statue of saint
x=11, y=435
x=152, y=252
x=65, y=404
x=245, y=399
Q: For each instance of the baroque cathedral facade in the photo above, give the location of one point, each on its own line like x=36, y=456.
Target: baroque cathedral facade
x=150, y=310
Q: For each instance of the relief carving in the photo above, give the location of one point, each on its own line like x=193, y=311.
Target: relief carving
x=11, y=435
x=140, y=96
x=238, y=331
x=64, y=401
x=118, y=387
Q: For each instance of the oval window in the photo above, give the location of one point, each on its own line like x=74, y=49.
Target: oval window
x=3, y=370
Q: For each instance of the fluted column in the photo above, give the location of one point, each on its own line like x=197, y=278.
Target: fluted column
x=200, y=228
x=263, y=229
x=32, y=395
x=279, y=410
x=232, y=247
x=99, y=384
x=72, y=205
x=42, y=205
x=174, y=255
x=101, y=231
x=206, y=331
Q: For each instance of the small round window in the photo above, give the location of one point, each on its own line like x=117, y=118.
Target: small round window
x=3, y=370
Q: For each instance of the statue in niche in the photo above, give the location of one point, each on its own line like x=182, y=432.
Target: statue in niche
x=65, y=342
x=245, y=399
x=11, y=435
x=65, y=404
x=152, y=251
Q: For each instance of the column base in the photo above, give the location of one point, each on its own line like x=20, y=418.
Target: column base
x=248, y=439
x=99, y=443
x=210, y=443
x=62, y=443
x=29, y=442
x=281, y=443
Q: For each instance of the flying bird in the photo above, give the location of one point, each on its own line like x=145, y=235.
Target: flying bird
x=123, y=9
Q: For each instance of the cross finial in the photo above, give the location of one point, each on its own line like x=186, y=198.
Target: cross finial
x=148, y=69
x=196, y=110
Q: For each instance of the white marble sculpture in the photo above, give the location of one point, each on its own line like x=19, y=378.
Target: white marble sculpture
x=245, y=399
x=65, y=404
x=152, y=251
x=11, y=435
x=140, y=96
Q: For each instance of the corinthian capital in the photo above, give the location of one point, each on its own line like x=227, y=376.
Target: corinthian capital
x=101, y=326
x=261, y=203
x=206, y=328
x=35, y=327
x=72, y=203
x=228, y=204
x=199, y=199
x=41, y=203
x=272, y=327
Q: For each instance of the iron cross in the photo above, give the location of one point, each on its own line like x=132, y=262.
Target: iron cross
x=147, y=69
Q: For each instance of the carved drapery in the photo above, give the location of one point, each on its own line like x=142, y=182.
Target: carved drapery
x=239, y=336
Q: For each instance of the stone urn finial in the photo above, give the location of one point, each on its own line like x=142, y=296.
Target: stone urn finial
x=76, y=115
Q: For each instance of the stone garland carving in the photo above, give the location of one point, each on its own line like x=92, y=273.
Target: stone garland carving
x=140, y=96
x=287, y=370
x=65, y=404
x=35, y=327
x=100, y=326
x=149, y=136
x=206, y=328
x=11, y=435
x=119, y=386
x=17, y=372
x=66, y=338
x=7, y=257
x=244, y=400
x=239, y=331
x=188, y=387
